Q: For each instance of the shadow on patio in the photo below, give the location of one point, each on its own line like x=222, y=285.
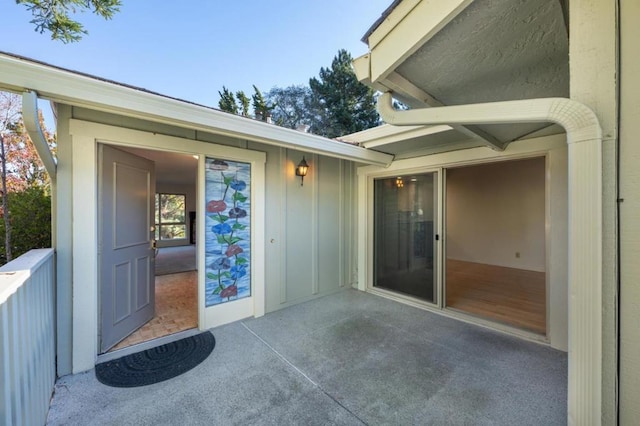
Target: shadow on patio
x=348, y=358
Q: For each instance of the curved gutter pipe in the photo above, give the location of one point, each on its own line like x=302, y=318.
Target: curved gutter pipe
x=584, y=137
x=32, y=124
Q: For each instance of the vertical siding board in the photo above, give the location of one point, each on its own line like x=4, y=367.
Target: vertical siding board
x=27, y=326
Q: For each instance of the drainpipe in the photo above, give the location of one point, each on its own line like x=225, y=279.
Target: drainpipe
x=32, y=124
x=584, y=137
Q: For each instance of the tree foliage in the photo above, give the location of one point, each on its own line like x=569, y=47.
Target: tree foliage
x=239, y=103
x=334, y=104
x=30, y=221
x=55, y=16
x=290, y=106
x=341, y=104
x=227, y=101
x=24, y=168
x=261, y=108
x=24, y=183
x=244, y=103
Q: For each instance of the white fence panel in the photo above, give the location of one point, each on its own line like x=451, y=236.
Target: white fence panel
x=27, y=338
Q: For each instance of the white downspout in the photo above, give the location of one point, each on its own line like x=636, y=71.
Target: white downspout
x=32, y=124
x=584, y=137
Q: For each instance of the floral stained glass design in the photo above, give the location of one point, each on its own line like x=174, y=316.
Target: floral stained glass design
x=227, y=231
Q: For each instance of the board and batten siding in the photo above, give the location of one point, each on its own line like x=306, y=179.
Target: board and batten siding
x=309, y=235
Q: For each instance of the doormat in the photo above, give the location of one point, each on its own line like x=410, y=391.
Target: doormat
x=156, y=364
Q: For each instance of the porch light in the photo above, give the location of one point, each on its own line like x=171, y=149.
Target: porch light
x=399, y=182
x=301, y=170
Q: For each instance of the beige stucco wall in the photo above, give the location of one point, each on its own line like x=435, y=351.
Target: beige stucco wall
x=629, y=212
x=497, y=210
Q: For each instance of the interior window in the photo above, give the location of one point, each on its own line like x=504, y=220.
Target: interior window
x=170, y=217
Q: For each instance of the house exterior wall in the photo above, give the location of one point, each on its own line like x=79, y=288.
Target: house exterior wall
x=555, y=149
x=307, y=248
x=593, y=70
x=63, y=243
x=629, y=217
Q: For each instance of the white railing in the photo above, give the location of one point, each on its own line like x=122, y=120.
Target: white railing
x=27, y=338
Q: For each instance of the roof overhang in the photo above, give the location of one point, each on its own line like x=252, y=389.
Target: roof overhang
x=456, y=52
x=75, y=89
x=412, y=141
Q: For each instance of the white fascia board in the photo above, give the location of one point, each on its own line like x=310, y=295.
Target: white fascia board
x=405, y=31
x=387, y=134
x=79, y=90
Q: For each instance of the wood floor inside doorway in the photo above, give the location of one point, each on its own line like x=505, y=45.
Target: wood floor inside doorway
x=176, y=309
x=511, y=296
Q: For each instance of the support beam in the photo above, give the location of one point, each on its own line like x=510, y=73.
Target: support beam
x=413, y=96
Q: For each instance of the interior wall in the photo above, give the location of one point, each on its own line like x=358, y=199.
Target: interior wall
x=496, y=214
x=190, y=206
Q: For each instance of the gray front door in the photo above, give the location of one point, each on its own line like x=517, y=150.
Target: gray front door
x=126, y=197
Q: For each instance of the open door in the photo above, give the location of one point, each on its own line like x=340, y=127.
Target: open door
x=126, y=244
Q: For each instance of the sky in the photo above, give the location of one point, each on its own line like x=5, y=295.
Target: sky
x=191, y=48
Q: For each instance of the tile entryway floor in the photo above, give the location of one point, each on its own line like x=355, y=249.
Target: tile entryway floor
x=176, y=309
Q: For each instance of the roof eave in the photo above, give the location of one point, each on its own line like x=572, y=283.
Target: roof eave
x=67, y=87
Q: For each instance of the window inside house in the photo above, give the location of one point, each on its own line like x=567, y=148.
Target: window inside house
x=171, y=216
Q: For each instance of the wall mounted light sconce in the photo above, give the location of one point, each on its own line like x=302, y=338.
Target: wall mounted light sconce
x=302, y=169
x=399, y=182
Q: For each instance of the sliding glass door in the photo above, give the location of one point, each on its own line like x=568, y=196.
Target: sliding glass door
x=405, y=234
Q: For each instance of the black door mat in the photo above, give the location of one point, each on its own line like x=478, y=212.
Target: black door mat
x=156, y=364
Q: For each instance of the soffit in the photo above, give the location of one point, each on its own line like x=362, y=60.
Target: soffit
x=412, y=141
x=492, y=50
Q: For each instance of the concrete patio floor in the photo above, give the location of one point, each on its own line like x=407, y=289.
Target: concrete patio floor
x=350, y=358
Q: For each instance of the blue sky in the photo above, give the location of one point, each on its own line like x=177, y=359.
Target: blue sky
x=190, y=51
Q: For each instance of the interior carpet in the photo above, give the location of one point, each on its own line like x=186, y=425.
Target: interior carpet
x=156, y=364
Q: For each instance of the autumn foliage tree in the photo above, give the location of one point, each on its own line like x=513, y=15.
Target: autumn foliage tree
x=26, y=203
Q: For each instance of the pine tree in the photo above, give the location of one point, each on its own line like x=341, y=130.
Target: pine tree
x=227, y=101
x=261, y=109
x=55, y=16
x=340, y=104
x=244, y=103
